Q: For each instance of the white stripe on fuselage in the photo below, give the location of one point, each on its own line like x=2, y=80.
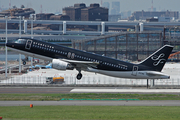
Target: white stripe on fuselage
x=131, y=74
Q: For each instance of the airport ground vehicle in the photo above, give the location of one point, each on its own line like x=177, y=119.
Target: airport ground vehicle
x=55, y=80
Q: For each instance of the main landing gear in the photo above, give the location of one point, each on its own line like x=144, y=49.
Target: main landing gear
x=79, y=75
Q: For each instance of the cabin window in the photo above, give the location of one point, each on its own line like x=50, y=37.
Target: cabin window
x=73, y=55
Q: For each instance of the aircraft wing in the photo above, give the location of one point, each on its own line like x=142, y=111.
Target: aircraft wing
x=81, y=64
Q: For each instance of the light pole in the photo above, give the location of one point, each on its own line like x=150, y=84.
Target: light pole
x=6, y=48
x=19, y=37
x=31, y=36
x=31, y=26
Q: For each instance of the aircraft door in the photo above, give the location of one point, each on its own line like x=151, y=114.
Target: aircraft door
x=135, y=70
x=28, y=44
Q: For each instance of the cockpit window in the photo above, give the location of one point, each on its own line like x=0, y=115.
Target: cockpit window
x=21, y=41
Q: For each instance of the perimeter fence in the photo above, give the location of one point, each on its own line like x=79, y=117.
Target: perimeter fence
x=93, y=81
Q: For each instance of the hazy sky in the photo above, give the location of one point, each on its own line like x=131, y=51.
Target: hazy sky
x=51, y=6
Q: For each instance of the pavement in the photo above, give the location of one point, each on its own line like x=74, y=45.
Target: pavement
x=67, y=90
x=92, y=103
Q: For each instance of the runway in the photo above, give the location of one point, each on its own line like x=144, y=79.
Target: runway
x=91, y=103
x=67, y=90
x=35, y=90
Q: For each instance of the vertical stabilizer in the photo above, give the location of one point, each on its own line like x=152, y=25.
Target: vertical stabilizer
x=157, y=60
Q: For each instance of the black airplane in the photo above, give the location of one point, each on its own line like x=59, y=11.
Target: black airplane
x=64, y=58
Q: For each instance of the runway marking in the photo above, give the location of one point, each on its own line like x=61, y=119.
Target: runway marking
x=126, y=90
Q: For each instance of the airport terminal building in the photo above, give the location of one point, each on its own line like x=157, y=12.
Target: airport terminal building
x=123, y=46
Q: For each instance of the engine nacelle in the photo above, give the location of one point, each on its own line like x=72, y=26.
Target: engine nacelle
x=59, y=65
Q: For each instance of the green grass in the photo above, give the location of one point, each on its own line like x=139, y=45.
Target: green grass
x=56, y=97
x=89, y=113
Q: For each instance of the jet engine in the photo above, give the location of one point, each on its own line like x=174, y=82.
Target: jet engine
x=59, y=65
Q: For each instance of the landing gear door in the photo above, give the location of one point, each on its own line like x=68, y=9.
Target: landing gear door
x=28, y=44
x=135, y=70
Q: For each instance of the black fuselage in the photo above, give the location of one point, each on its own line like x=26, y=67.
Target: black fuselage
x=56, y=51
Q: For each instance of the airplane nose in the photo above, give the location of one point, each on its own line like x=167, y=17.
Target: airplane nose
x=9, y=45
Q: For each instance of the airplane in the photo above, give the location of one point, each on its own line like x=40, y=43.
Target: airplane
x=64, y=58
x=49, y=66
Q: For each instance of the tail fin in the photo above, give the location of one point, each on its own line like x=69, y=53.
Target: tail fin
x=157, y=60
